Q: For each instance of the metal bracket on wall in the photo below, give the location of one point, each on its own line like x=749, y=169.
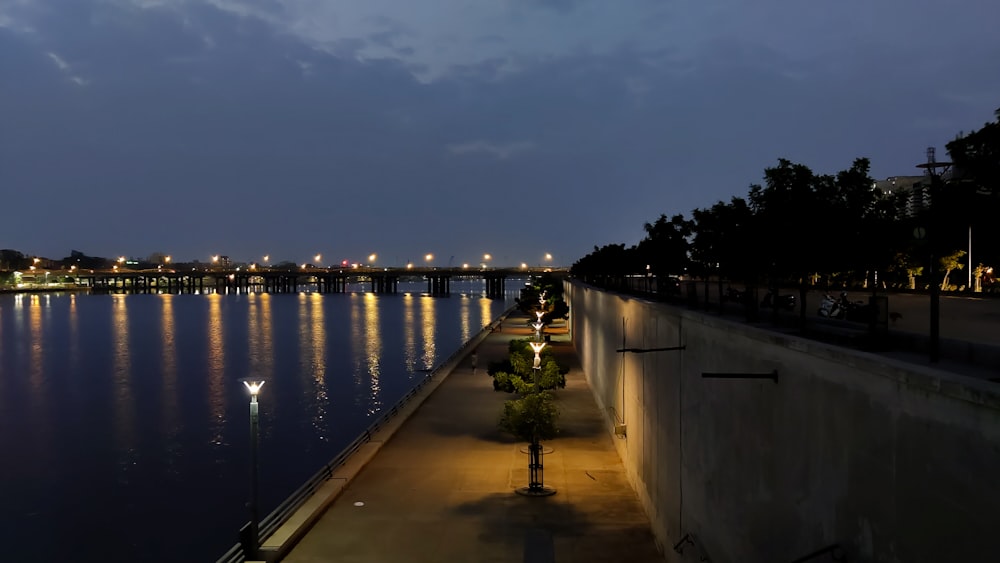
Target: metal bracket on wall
x=773, y=375
x=692, y=540
x=835, y=551
x=644, y=350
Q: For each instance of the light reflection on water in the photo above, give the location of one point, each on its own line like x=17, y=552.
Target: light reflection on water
x=169, y=414
x=121, y=416
x=124, y=424
x=428, y=326
x=216, y=368
x=373, y=352
x=314, y=349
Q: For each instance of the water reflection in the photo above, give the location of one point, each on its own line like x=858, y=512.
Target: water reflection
x=466, y=323
x=485, y=313
x=36, y=366
x=409, y=333
x=74, y=334
x=313, y=354
x=428, y=326
x=216, y=367
x=168, y=363
x=373, y=352
x=122, y=372
x=260, y=336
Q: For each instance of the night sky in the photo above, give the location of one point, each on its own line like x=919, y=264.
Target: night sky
x=458, y=128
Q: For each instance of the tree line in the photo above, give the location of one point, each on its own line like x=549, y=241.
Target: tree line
x=799, y=227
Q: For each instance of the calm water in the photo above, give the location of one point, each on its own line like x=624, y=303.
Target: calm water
x=124, y=428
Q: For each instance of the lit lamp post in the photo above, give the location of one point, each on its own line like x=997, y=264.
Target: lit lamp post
x=486, y=261
x=536, y=486
x=319, y=258
x=251, y=539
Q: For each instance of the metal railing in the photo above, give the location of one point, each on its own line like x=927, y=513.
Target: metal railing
x=270, y=523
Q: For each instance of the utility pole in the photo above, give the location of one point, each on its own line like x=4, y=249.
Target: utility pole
x=934, y=243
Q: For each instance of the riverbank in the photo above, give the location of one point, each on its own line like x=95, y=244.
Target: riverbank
x=57, y=288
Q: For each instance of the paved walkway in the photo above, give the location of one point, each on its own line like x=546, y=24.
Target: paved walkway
x=442, y=489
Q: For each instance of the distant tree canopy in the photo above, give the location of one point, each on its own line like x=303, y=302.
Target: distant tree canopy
x=798, y=225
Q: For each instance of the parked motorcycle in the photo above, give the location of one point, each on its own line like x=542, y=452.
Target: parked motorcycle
x=831, y=307
x=785, y=301
x=843, y=308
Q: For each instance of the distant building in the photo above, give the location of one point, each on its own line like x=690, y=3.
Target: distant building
x=916, y=190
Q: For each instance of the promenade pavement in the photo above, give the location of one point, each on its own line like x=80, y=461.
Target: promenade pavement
x=442, y=488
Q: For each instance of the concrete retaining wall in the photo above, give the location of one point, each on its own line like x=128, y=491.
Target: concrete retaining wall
x=893, y=462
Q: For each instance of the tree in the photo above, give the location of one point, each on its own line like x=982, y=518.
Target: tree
x=666, y=245
x=973, y=192
x=13, y=260
x=531, y=416
x=949, y=263
x=552, y=288
x=607, y=266
x=516, y=373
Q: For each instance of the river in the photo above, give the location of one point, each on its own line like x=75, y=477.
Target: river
x=124, y=426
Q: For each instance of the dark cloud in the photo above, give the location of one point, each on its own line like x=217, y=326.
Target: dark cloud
x=196, y=130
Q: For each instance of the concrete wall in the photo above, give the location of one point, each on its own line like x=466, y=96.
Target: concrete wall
x=894, y=462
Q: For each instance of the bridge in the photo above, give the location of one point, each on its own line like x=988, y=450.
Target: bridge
x=292, y=280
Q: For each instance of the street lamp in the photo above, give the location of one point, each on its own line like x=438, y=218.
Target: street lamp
x=251, y=541
x=536, y=347
x=538, y=329
x=319, y=257
x=266, y=258
x=428, y=258
x=371, y=259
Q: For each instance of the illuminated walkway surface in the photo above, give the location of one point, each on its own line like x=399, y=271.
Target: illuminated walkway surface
x=442, y=489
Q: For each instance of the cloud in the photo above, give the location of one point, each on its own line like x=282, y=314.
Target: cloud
x=499, y=151
x=63, y=65
x=361, y=111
